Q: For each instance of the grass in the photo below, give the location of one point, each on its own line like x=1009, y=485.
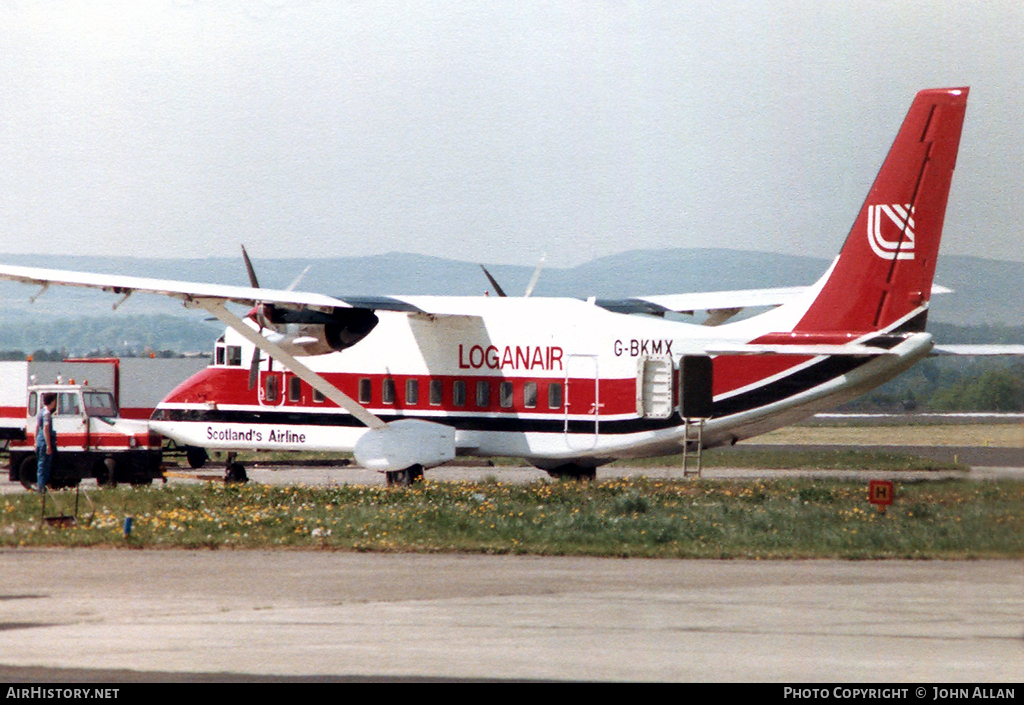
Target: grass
x=831, y=459
x=624, y=517
x=736, y=457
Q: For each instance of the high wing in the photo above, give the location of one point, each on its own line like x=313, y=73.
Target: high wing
x=721, y=305
x=705, y=301
x=213, y=297
x=191, y=292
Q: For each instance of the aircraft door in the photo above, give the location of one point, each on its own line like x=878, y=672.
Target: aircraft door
x=655, y=395
x=582, y=402
x=696, y=383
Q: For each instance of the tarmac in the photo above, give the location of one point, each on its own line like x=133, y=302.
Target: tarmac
x=142, y=616
x=120, y=616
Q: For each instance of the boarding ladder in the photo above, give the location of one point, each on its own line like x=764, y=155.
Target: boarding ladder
x=693, y=444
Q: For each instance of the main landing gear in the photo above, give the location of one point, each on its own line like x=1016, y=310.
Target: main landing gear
x=573, y=471
x=404, y=478
x=234, y=471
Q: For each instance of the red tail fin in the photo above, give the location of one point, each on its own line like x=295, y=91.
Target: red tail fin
x=884, y=271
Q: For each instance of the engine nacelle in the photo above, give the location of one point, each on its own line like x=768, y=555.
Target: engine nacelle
x=308, y=332
x=401, y=444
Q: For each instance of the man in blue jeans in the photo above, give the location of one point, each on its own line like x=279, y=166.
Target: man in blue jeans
x=46, y=441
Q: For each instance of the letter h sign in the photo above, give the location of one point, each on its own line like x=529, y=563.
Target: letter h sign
x=880, y=493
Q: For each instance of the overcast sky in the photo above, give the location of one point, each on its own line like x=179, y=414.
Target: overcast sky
x=489, y=132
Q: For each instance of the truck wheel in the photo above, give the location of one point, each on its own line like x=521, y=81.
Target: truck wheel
x=196, y=457
x=27, y=472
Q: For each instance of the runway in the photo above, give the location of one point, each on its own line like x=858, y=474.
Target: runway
x=109, y=616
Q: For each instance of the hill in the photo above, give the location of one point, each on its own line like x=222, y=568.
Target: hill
x=986, y=291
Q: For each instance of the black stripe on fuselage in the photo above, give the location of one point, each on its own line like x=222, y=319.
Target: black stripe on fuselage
x=788, y=386
x=779, y=390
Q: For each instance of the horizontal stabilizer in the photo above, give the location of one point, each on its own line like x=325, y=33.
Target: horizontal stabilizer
x=801, y=350
x=730, y=301
x=988, y=350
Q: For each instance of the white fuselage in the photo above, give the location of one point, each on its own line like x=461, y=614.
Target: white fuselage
x=550, y=380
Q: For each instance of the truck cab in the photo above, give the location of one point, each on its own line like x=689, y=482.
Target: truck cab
x=93, y=440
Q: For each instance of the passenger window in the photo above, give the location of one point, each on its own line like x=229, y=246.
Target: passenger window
x=271, y=388
x=436, y=390
x=388, y=392
x=459, y=393
x=505, y=390
x=365, y=391
x=294, y=389
x=530, y=395
x=318, y=396
x=555, y=395
x=412, y=392
x=483, y=394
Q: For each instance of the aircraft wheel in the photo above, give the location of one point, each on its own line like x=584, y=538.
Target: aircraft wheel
x=27, y=472
x=404, y=478
x=196, y=457
x=572, y=471
x=236, y=473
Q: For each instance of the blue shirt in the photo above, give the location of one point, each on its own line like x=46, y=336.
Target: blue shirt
x=44, y=421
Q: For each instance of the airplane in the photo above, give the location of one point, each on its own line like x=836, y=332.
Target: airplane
x=407, y=383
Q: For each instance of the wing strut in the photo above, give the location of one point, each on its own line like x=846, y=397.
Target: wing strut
x=217, y=308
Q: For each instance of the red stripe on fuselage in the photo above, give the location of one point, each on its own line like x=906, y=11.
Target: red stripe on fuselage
x=230, y=386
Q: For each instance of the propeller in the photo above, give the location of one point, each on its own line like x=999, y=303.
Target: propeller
x=497, y=287
x=295, y=282
x=254, y=366
x=536, y=276
x=529, y=288
x=253, y=282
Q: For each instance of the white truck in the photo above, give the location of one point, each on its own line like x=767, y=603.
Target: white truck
x=93, y=439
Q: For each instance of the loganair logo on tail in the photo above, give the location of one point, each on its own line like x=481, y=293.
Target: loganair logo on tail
x=897, y=221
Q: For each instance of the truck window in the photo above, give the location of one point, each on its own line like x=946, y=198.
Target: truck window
x=67, y=404
x=99, y=404
x=32, y=401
